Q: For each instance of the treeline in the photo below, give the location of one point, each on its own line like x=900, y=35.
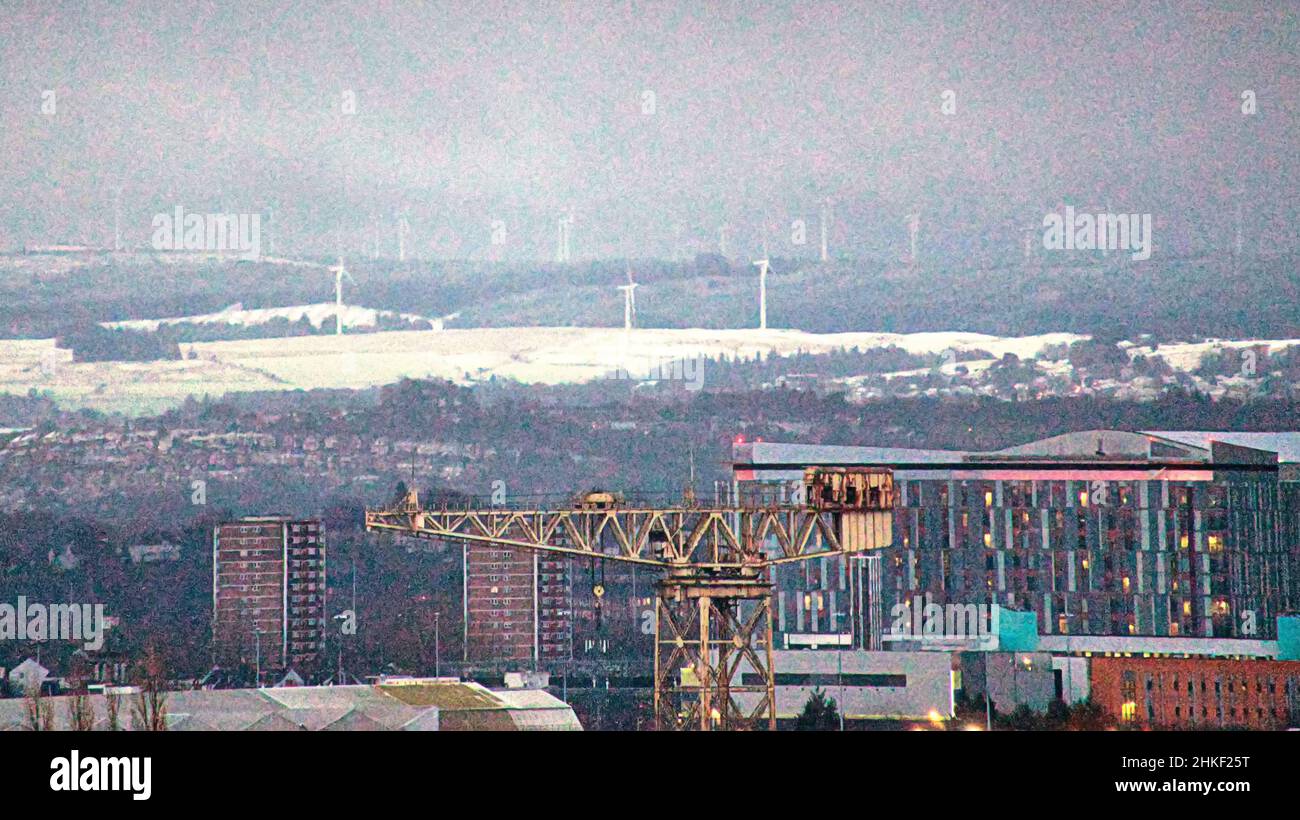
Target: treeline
x=95, y=343
x=281, y=327
x=742, y=373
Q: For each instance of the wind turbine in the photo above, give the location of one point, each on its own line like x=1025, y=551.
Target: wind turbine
x=117, y=218
x=913, y=228
x=340, y=271
x=722, y=239
x=1241, y=235
x=1028, y=233
x=629, y=301
x=763, y=265
x=1105, y=246
x=403, y=228
x=826, y=217
x=270, y=230
x=563, y=235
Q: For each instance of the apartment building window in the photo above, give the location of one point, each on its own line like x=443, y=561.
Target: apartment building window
x=1128, y=695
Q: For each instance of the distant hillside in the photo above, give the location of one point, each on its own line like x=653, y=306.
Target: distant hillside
x=1172, y=298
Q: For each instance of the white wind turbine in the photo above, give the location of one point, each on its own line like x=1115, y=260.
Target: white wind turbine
x=1028, y=234
x=270, y=229
x=763, y=265
x=403, y=228
x=826, y=218
x=629, y=301
x=563, y=237
x=1241, y=234
x=1105, y=246
x=914, y=229
x=117, y=218
x=340, y=271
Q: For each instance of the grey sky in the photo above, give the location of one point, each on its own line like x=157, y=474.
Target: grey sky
x=472, y=112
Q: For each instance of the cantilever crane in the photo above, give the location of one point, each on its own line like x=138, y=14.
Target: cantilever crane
x=713, y=613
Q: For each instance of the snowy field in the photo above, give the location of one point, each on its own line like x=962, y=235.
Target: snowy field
x=546, y=355
x=528, y=354
x=353, y=316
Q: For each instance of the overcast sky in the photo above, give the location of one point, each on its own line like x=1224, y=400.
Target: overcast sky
x=467, y=113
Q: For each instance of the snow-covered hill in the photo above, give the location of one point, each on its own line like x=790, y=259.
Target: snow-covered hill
x=353, y=316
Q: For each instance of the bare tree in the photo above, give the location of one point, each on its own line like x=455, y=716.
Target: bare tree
x=40, y=712
x=81, y=715
x=149, y=707
x=113, y=707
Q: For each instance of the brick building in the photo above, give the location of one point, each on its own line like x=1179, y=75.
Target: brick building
x=268, y=592
x=1198, y=693
x=517, y=606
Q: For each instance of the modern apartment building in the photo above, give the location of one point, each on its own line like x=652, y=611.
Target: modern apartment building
x=1098, y=533
x=268, y=592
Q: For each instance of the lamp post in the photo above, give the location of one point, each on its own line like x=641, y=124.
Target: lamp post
x=988, y=708
x=257, y=658
x=342, y=616
x=839, y=658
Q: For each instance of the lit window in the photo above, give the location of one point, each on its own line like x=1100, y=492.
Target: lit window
x=1187, y=607
x=1128, y=711
x=1126, y=583
x=1182, y=542
x=1216, y=543
x=988, y=498
x=988, y=539
x=1083, y=498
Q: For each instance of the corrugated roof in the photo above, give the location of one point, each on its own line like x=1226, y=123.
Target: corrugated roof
x=410, y=706
x=443, y=695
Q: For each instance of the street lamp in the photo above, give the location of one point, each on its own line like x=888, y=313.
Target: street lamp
x=257, y=657
x=342, y=616
x=839, y=659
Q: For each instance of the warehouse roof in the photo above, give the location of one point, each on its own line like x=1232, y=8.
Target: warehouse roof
x=427, y=704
